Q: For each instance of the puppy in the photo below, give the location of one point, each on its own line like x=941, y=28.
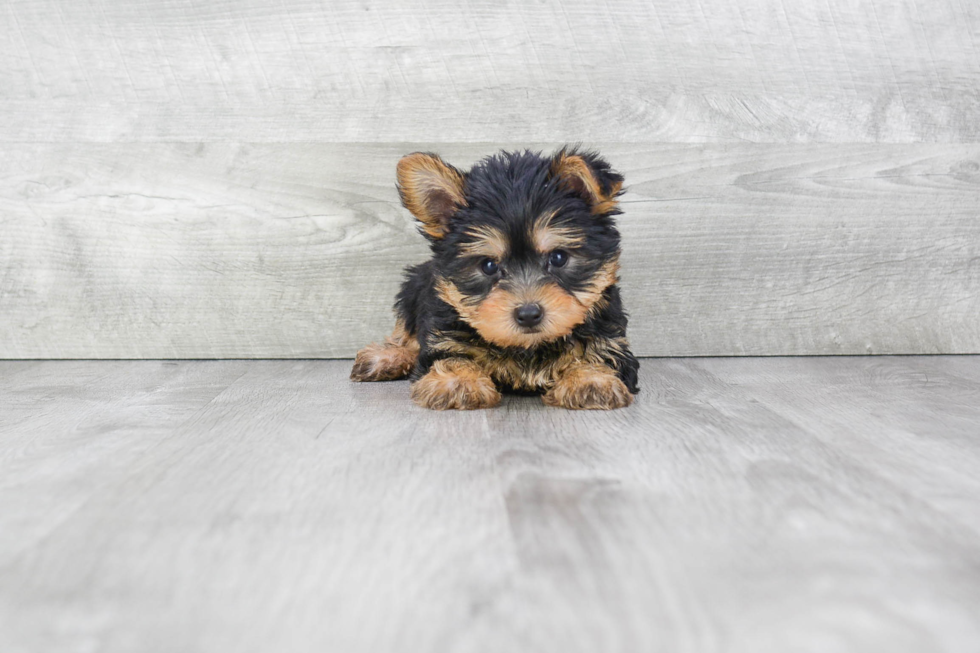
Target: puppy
x=520, y=293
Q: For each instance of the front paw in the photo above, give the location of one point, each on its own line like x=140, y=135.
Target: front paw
x=455, y=383
x=386, y=362
x=588, y=387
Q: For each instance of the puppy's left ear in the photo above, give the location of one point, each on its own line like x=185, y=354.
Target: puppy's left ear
x=588, y=176
x=432, y=190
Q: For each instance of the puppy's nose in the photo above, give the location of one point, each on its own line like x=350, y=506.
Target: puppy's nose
x=529, y=315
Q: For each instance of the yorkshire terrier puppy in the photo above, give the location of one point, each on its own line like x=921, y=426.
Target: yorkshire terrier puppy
x=520, y=293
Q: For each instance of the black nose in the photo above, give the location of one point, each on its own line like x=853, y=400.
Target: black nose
x=529, y=315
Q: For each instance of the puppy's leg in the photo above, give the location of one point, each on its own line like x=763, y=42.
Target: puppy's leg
x=455, y=383
x=391, y=360
x=584, y=386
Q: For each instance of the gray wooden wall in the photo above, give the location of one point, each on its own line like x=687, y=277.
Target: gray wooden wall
x=216, y=179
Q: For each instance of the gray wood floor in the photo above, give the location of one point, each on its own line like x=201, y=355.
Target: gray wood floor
x=776, y=504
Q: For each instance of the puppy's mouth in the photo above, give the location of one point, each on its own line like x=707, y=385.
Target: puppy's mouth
x=525, y=337
x=513, y=335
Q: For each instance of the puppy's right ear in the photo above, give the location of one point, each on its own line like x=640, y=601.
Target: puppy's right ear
x=432, y=190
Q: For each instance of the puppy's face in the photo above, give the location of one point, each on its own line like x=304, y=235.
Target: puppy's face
x=524, y=245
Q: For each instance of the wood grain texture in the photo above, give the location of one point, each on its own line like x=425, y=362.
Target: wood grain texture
x=296, y=250
x=446, y=71
x=744, y=505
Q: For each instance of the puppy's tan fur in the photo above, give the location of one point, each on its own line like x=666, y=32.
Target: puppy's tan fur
x=391, y=360
x=455, y=383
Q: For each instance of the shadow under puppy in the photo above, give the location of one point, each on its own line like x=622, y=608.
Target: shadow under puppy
x=520, y=293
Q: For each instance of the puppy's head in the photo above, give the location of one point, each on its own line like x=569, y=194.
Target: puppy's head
x=524, y=245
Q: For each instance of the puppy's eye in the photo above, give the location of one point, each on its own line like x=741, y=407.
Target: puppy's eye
x=558, y=258
x=489, y=267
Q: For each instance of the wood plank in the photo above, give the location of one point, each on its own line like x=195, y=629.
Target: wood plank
x=296, y=250
x=68, y=431
x=446, y=71
x=908, y=394
x=294, y=510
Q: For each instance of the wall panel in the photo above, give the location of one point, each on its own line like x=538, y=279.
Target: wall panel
x=271, y=250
